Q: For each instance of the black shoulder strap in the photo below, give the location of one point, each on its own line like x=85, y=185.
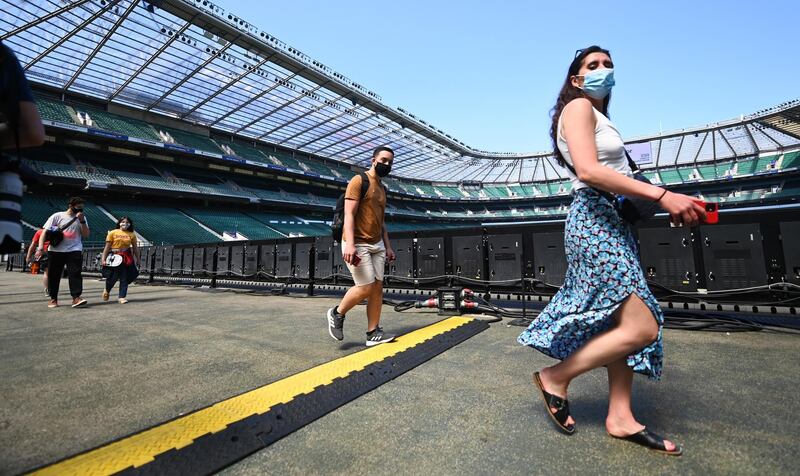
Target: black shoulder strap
x=634, y=167
x=64, y=227
x=364, y=184
x=631, y=164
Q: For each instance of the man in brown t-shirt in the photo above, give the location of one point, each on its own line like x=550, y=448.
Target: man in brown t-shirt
x=365, y=248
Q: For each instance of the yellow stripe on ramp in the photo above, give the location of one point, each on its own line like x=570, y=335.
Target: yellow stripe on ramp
x=142, y=448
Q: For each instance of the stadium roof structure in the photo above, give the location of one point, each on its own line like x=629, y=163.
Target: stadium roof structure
x=192, y=60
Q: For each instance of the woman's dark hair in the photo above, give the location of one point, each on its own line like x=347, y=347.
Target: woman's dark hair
x=129, y=221
x=568, y=93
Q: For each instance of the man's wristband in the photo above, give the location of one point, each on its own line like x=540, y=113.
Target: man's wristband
x=662, y=195
x=82, y=222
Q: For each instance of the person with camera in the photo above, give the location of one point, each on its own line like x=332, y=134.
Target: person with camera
x=20, y=127
x=42, y=261
x=121, y=242
x=604, y=314
x=365, y=248
x=65, y=231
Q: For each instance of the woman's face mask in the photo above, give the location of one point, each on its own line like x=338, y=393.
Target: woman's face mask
x=598, y=83
x=124, y=225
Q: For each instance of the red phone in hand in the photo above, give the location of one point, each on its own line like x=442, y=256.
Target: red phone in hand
x=712, y=212
x=356, y=260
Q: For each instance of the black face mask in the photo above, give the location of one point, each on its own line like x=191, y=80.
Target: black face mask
x=77, y=210
x=382, y=169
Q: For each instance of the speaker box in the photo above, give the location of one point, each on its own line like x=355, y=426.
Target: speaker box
x=198, y=260
x=158, y=263
x=166, y=266
x=505, y=257
x=323, y=258
x=790, y=237
x=177, y=261
x=208, y=259
x=223, y=260
x=403, y=265
x=237, y=260
x=733, y=256
x=549, y=258
x=302, y=260
x=430, y=257
x=250, y=260
x=267, y=262
x=283, y=264
x=667, y=256
x=339, y=266
x=188, y=259
x=468, y=256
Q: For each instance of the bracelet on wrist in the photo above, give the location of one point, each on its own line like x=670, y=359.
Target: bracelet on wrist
x=662, y=195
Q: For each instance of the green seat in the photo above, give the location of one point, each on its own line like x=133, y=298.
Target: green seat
x=670, y=176
x=54, y=110
x=190, y=139
x=791, y=160
x=162, y=225
x=746, y=167
x=246, y=152
x=763, y=163
x=228, y=221
x=124, y=125
x=709, y=172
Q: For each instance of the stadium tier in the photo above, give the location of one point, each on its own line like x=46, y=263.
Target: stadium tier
x=94, y=117
x=36, y=209
x=108, y=171
x=162, y=225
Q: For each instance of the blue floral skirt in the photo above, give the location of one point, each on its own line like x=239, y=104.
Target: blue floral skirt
x=603, y=270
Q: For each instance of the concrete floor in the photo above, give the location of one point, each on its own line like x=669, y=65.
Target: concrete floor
x=73, y=379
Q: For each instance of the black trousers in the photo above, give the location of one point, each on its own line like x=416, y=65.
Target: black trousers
x=73, y=260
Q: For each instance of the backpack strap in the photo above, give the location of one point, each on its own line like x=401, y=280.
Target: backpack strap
x=364, y=184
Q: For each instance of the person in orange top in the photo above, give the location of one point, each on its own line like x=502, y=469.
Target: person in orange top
x=40, y=263
x=121, y=241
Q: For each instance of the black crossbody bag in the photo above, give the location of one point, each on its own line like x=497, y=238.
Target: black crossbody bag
x=630, y=209
x=56, y=236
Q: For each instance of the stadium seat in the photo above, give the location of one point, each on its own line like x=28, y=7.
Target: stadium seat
x=231, y=222
x=55, y=110
x=162, y=225
x=114, y=123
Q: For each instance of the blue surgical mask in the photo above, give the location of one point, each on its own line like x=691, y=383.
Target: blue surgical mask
x=598, y=83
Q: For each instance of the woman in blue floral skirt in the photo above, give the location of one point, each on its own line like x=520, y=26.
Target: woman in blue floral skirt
x=604, y=315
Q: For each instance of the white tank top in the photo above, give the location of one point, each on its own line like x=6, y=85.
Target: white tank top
x=610, y=148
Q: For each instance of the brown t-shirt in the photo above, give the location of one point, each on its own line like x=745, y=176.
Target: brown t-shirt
x=369, y=214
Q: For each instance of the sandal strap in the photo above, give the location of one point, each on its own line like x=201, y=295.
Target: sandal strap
x=649, y=439
x=561, y=405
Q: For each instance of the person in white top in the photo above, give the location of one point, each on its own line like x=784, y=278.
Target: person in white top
x=69, y=252
x=604, y=314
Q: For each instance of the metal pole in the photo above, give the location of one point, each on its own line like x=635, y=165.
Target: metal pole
x=214, y=269
x=152, y=267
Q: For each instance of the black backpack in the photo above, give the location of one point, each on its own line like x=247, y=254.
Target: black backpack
x=337, y=227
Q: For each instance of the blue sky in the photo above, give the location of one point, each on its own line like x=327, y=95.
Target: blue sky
x=488, y=72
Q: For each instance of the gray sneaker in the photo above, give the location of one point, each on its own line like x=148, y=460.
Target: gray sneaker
x=377, y=336
x=335, y=324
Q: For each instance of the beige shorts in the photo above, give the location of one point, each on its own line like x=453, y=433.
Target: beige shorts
x=370, y=268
